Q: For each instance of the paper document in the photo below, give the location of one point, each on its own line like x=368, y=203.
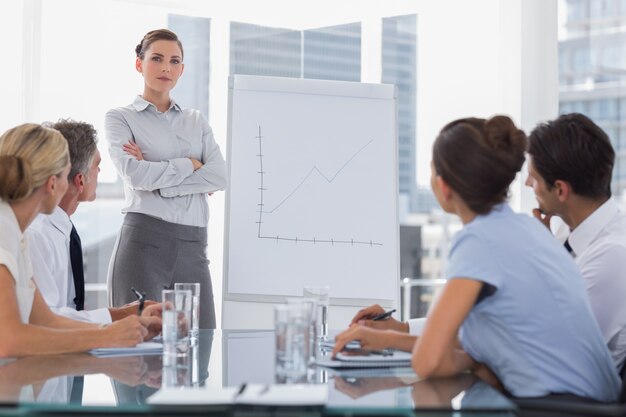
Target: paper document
x=145, y=348
x=254, y=394
x=393, y=359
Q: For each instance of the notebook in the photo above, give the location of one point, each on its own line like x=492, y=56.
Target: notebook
x=145, y=348
x=330, y=344
x=394, y=359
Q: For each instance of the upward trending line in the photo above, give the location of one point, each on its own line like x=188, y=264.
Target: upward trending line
x=316, y=169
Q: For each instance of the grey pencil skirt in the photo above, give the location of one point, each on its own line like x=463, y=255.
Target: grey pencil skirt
x=151, y=254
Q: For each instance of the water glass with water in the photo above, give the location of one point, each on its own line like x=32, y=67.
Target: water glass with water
x=291, y=323
x=176, y=321
x=310, y=305
x=195, y=306
x=321, y=294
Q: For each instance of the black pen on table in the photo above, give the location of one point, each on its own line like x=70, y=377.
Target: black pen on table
x=242, y=388
x=141, y=297
x=383, y=316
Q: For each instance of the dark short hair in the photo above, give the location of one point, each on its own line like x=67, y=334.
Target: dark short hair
x=479, y=159
x=82, y=140
x=157, y=35
x=573, y=148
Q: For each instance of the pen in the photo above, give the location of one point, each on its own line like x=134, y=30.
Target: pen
x=141, y=297
x=383, y=316
x=265, y=389
x=242, y=388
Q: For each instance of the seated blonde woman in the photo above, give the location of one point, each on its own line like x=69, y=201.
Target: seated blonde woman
x=34, y=165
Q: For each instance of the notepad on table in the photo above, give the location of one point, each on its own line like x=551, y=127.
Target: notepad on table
x=254, y=394
x=330, y=344
x=395, y=359
x=145, y=348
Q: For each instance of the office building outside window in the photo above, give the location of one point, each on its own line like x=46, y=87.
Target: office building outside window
x=592, y=70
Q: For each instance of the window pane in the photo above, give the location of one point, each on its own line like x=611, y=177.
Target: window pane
x=593, y=69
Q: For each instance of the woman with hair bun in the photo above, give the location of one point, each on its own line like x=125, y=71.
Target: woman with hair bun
x=170, y=163
x=34, y=166
x=514, y=310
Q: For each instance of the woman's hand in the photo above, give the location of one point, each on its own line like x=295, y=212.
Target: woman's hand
x=133, y=149
x=364, y=317
x=196, y=164
x=483, y=372
x=126, y=332
x=367, y=313
x=371, y=339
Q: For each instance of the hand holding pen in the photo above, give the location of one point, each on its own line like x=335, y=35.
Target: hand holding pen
x=141, y=297
x=376, y=317
x=383, y=316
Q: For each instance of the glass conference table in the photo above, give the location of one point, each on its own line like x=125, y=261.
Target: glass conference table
x=81, y=384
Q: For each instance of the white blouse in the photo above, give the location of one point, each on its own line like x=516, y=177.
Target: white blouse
x=14, y=255
x=164, y=184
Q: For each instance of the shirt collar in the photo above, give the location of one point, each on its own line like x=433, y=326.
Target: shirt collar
x=140, y=104
x=59, y=219
x=6, y=212
x=586, y=232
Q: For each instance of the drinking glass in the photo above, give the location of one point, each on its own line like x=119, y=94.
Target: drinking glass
x=320, y=294
x=195, y=306
x=176, y=321
x=310, y=305
x=291, y=323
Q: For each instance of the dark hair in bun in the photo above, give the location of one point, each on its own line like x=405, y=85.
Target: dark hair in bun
x=157, y=35
x=479, y=159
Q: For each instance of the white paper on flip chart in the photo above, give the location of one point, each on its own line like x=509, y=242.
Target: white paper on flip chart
x=145, y=348
x=254, y=394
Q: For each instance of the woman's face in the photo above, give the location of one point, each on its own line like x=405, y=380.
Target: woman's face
x=435, y=185
x=162, y=66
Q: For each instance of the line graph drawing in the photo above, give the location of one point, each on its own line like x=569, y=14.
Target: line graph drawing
x=328, y=178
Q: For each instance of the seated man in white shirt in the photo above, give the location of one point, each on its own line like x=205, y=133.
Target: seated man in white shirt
x=49, y=235
x=570, y=170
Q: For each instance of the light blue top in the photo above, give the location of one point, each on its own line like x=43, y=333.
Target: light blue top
x=164, y=185
x=536, y=332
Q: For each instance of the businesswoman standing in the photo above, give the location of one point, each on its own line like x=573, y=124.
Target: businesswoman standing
x=170, y=163
x=34, y=165
x=515, y=308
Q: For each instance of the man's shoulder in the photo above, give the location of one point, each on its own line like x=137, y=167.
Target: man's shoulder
x=42, y=231
x=609, y=246
x=39, y=226
x=614, y=233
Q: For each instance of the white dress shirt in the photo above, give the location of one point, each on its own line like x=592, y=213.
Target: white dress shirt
x=416, y=326
x=14, y=256
x=599, y=249
x=164, y=184
x=49, y=240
